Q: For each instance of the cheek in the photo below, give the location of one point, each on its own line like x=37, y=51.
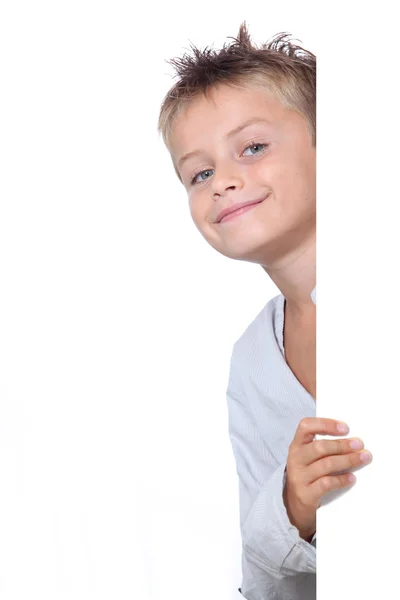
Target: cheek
x=198, y=206
x=196, y=209
x=307, y=182
x=193, y=208
x=201, y=211
x=298, y=181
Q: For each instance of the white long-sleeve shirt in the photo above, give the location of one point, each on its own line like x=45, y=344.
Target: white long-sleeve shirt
x=266, y=402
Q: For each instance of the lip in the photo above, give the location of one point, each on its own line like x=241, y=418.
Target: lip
x=232, y=209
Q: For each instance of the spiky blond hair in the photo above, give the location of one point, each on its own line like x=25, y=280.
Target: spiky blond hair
x=283, y=68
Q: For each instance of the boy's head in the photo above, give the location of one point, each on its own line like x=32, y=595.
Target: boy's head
x=240, y=125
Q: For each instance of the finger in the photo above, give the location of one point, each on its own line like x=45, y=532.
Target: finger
x=329, y=483
x=320, y=448
x=309, y=427
x=331, y=464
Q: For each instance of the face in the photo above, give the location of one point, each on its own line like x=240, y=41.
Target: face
x=242, y=146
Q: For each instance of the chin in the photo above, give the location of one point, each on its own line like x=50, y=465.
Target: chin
x=246, y=252
x=261, y=249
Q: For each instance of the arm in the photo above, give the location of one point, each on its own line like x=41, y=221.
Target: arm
x=272, y=547
x=313, y=540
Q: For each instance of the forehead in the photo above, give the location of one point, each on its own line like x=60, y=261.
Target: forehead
x=224, y=108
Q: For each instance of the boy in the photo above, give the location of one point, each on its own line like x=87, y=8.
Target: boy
x=240, y=127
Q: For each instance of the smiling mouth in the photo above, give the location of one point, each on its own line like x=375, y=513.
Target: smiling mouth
x=240, y=211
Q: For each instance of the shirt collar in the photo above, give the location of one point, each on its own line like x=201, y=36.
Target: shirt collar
x=314, y=295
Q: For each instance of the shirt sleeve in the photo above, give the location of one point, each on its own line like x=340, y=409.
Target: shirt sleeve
x=272, y=549
x=272, y=545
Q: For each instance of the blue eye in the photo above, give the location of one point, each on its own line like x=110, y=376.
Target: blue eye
x=200, y=173
x=253, y=145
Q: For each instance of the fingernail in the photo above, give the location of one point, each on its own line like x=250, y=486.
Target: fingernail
x=352, y=478
x=356, y=444
x=366, y=456
x=342, y=427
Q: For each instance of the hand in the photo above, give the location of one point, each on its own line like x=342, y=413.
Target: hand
x=311, y=470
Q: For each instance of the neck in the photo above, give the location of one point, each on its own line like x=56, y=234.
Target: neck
x=295, y=276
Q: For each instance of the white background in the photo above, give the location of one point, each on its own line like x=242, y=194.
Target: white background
x=117, y=319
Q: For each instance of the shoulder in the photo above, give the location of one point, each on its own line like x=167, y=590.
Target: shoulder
x=258, y=333
x=256, y=348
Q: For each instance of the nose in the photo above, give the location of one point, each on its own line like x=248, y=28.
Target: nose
x=224, y=179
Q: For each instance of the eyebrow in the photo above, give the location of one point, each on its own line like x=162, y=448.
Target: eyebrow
x=247, y=123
